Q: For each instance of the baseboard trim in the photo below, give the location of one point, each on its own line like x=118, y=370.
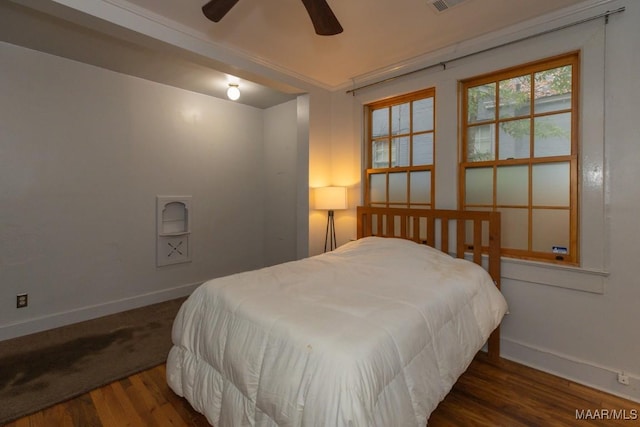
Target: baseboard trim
x=55, y=320
x=579, y=371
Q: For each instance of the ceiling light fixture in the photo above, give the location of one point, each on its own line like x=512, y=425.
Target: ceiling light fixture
x=233, y=93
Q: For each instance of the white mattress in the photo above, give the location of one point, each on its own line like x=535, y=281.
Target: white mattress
x=374, y=333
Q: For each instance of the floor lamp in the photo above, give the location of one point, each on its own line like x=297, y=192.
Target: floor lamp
x=330, y=199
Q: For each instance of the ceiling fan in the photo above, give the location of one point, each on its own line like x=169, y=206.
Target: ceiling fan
x=322, y=17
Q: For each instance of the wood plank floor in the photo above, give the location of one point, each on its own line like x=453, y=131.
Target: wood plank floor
x=502, y=394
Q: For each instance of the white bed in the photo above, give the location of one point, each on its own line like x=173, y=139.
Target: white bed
x=374, y=333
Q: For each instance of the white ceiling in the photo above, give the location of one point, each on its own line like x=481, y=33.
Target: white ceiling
x=379, y=36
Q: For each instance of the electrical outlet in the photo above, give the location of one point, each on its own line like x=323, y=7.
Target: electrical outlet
x=623, y=378
x=22, y=300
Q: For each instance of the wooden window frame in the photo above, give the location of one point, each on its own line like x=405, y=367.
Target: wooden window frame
x=573, y=59
x=369, y=140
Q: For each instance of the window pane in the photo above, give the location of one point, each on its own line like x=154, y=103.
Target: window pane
x=553, y=90
x=515, y=228
x=515, y=97
x=480, y=143
x=420, y=187
x=400, y=154
x=378, y=187
x=552, y=135
x=401, y=150
x=380, y=154
x=400, y=119
x=380, y=123
x=513, y=185
x=423, y=115
x=514, y=139
x=551, y=184
x=519, y=155
x=423, y=149
x=481, y=103
x=398, y=187
x=550, y=228
x=479, y=186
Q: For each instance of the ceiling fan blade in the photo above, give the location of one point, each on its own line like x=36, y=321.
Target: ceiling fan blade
x=216, y=9
x=324, y=21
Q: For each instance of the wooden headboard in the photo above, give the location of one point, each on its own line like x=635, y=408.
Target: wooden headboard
x=474, y=233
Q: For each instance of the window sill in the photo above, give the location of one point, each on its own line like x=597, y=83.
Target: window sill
x=575, y=278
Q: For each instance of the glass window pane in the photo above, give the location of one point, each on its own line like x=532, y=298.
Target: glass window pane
x=514, y=139
x=515, y=228
x=481, y=103
x=515, y=97
x=550, y=228
x=398, y=187
x=518, y=154
x=513, y=185
x=551, y=184
x=400, y=154
x=479, y=186
x=420, y=187
x=480, y=143
x=423, y=115
x=423, y=149
x=552, y=135
x=380, y=154
x=380, y=123
x=378, y=187
x=553, y=90
x=400, y=119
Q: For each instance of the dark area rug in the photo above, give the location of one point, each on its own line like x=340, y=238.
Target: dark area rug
x=42, y=369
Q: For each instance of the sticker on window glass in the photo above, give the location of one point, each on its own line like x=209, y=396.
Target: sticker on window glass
x=559, y=250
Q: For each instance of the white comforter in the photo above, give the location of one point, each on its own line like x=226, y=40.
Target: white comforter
x=372, y=334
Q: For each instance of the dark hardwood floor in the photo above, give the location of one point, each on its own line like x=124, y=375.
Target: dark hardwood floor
x=510, y=394
x=488, y=394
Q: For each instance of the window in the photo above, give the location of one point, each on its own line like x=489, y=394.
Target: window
x=519, y=156
x=400, y=151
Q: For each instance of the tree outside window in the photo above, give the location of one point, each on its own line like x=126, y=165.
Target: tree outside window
x=519, y=156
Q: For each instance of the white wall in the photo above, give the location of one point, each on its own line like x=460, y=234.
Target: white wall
x=83, y=154
x=281, y=182
x=586, y=335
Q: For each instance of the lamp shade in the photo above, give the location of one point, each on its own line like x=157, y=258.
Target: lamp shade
x=331, y=198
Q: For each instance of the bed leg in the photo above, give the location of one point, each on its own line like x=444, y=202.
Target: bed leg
x=494, y=345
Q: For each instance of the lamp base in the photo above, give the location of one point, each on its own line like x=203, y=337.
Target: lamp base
x=330, y=234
